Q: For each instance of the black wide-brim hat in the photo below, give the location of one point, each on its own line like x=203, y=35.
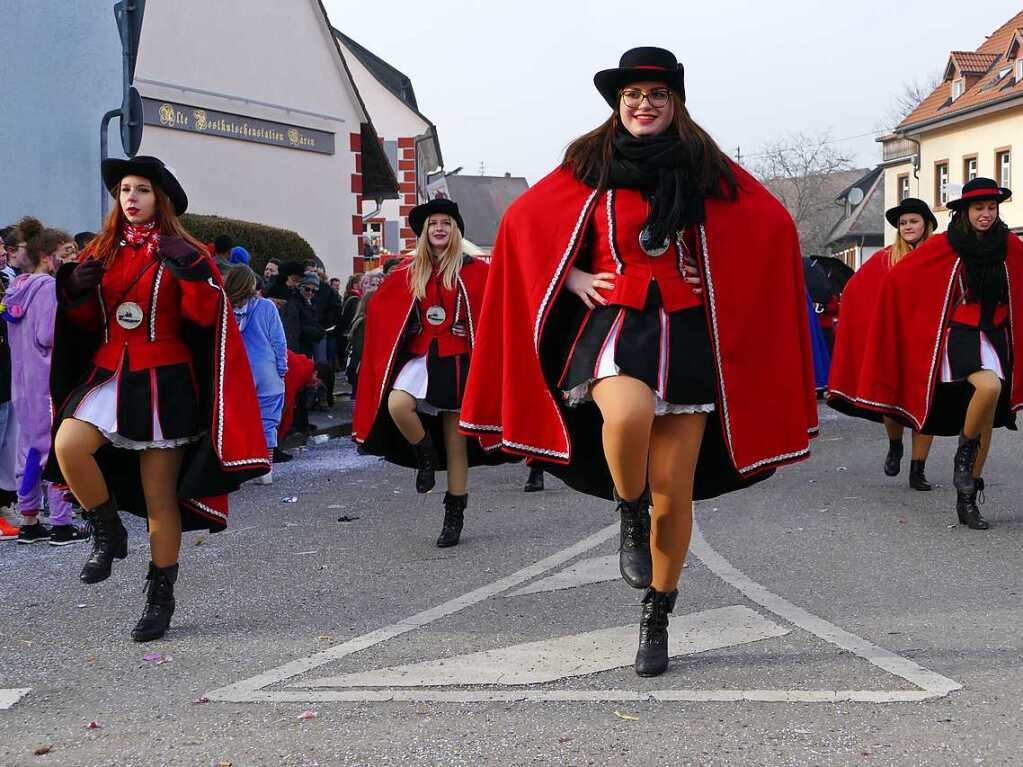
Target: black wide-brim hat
x=911, y=205
x=638, y=65
x=418, y=215
x=152, y=168
x=979, y=189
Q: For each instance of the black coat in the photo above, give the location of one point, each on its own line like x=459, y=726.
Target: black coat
x=302, y=328
x=328, y=308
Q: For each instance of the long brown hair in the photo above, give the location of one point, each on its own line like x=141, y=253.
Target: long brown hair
x=589, y=156
x=105, y=246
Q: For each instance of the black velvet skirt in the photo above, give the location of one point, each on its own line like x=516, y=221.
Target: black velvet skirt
x=437, y=383
x=969, y=349
x=135, y=409
x=670, y=353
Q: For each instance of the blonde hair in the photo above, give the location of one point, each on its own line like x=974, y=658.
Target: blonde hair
x=421, y=270
x=901, y=248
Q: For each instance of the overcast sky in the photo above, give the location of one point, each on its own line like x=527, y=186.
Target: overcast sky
x=509, y=84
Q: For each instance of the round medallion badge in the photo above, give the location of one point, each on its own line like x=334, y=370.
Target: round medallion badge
x=650, y=248
x=436, y=315
x=129, y=315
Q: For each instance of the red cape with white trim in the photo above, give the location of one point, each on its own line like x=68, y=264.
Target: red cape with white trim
x=756, y=309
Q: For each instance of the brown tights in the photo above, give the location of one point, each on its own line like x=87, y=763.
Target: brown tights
x=921, y=442
x=402, y=407
x=980, y=414
x=75, y=446
x=663, y=450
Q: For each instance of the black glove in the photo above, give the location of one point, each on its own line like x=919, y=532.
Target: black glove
x=86, y=276
x=178, y=250
x=184, y=261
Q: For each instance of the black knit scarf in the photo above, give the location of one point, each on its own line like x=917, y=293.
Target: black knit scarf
x=983, y=260
x=660, y=167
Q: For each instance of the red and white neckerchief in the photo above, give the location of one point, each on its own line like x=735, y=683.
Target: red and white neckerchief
x=137, y=235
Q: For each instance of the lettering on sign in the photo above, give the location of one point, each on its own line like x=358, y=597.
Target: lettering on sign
x=168, y=114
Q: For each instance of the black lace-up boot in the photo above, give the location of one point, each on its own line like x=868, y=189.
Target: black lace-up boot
x=156, y=617
x=454, y=515
x=967, y=510
x=962, y=466
x=893, y=461
x=652, y=655
x=634, y=542
x=109, y=542
x=917, y=479
x=426, y=465
x=535, y=482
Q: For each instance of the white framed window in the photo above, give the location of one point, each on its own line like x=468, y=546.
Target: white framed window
x=941, y=184
x=969, y=169
x=957, y=89
x=1019, y=69
x=1003, y=167
x=903, y=187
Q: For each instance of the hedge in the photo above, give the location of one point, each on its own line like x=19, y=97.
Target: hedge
x=263, y=242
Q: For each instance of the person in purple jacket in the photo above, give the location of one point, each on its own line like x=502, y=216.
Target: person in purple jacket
x=265, y=342
x=30, y=306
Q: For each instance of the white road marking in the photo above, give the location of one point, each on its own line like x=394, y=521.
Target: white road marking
x=9, y=697
x=244, y=690
x=429, y=695
x=582, y=573
x=931, y=684
x=576, y=655
x=886, y=660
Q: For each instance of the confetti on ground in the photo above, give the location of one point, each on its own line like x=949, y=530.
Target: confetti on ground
x=626, y=717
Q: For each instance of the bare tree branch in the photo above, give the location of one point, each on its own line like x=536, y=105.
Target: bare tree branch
x=907, y=99
x=800, y=169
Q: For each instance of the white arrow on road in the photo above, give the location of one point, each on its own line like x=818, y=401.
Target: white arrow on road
x=568, y=656
x=9, y=697
x=582, y=573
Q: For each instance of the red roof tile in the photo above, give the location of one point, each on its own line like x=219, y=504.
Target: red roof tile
x=971, y=63
x=986, y=61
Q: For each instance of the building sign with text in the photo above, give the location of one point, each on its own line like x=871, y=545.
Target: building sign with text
x=168, y=114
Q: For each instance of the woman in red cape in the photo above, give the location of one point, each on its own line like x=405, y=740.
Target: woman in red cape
x=156, y=409
x=914, y=223
x=418, y=348
x=941, y=356
x=599, y=356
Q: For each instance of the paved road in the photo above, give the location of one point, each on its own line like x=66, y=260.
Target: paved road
x=828, y=617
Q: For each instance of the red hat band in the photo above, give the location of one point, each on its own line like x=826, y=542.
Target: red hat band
x=982, y=192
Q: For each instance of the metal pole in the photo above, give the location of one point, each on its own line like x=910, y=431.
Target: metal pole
x=104, y=128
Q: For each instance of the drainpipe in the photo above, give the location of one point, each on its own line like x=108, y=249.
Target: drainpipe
x=916, y=162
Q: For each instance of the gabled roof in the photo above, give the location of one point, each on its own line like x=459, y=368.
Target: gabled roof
x=969, y=63
x=1015, y=42
x=378, y=178
x=867, y=218
x=985, y=64
x=396, y=82
x=482, y=201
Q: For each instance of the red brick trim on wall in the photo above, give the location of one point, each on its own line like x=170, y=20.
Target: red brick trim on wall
x=355, y=142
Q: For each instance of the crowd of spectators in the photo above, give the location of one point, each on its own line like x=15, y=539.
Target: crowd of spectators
x=299, y=327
